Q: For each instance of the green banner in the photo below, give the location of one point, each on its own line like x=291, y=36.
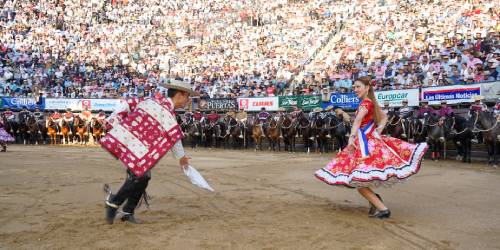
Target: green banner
x=306, y=103
x=310, y=102
x=287, y=102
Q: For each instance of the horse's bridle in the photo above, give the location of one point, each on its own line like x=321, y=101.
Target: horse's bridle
x=475, y=129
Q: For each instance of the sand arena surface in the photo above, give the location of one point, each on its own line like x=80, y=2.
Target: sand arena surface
x=51, y=198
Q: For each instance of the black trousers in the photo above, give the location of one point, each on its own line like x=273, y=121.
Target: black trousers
x=132, y=190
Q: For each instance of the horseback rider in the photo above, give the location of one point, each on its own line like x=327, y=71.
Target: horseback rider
x=39, y=116
x=445, y=110
x=231, y=113
x=241, y=118
x=478, y=105
x=188, y=115
x=279, y=114
x=424, y=109
x=23, y=115
x=197, y=116
x=55, y=117
x=387, y=109
x=262, y=118
x=213, y=117
x=86, y=116
x=68, y=117
x=344, y=117
x=496, y=109
x=405, y=112
x=314, y=113
x=101, y=117
x=9, y=115
x=326, y=114
x=296, y=113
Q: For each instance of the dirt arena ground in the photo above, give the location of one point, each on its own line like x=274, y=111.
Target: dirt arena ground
x=51, y=198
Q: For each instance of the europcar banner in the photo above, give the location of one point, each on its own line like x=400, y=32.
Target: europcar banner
x=20, y=102
x=255, y=104
x=80, y=104
x=396, y=97
x=451, y=94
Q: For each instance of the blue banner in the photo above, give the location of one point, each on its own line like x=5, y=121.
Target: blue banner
x=20, y=102
x=451, y=93
x=345, y=101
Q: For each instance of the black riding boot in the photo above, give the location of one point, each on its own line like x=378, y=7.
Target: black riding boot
x=132, y=190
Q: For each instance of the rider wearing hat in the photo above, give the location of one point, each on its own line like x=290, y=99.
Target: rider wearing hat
x=478, y=105
x=405, y=111
x=23, y=114
x=8, y=114
x=387, y=109
x=68, y=117
x=445, y=111
x=56, y=118
x=39, y=116
x=101, y=116
x=197, y=115
x=213, y=117
x=262, y=117
x=241, y=117
x=424, y=109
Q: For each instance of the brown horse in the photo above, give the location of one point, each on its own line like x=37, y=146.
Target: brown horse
x=258, y=134
x=52, y=132
x=274, y=132
x=97, y=129
x=289, y=130
x=81, y=130
x=67, y=135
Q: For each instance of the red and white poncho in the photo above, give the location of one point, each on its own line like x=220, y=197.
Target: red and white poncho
x=141, y=132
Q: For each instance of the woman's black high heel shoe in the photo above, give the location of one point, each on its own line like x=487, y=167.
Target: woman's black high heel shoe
x=373, y=209
x=384, y=214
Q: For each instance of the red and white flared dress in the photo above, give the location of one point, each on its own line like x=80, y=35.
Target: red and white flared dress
x=377, y=160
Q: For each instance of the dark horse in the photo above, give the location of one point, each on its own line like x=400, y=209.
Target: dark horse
x=339, y=130
x=234, y=131
x=435, y=135
x=485, y=123
x=306, y=130
x=395, y=127
x=321, y=128
x=289, y=130
x=461, y=134
x=209, y=133
x=194, y=131
x=34, y=131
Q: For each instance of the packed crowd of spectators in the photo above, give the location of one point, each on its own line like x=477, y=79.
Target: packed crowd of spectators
x=414, y=44
x=112, y=48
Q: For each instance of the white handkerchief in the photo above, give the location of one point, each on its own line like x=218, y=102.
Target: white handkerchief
x=196, y=178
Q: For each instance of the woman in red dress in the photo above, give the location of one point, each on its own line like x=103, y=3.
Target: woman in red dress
x=372, y=159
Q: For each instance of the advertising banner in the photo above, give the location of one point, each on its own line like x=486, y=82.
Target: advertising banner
x=20, y=102
x=80, y=104
x=396, y=97
x=255, y=104
x=305, y=103
x=491, y=90
x=218, y=104
x=452, y=94
x=344, y=100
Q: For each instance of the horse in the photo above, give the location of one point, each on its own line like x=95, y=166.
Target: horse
x=489, y=126
x=419, y=129
x=221, y=134
x=395, y=127
x=33, y=129
x=307, y=136
x=52, y=131
x=435, y=135
x=97, y=129
x=339, y=129
x=461, y=134
x=288, y=130
x=43, y=130
x=274, y=133
x=234, y=130
x=194, y=131
x=22, y=129
x=248, y=131
x=66, y=133
x=209, y=133
x=258, y=134
x=81, y=130
x=321, y=127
